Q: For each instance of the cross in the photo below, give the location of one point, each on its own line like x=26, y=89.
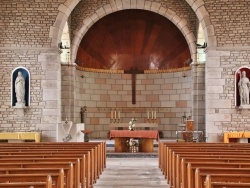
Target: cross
x=133, y=71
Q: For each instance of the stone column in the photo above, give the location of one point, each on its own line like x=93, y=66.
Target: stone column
x=68, y=93
x=198, y=96
x=51, y=93
x=218, y=104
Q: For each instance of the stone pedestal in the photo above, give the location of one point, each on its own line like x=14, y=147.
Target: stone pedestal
x=244, y=109
x=19, y=109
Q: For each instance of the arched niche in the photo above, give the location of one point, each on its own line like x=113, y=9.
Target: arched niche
x=65, y=45
x=26, y=76
x=238, y=76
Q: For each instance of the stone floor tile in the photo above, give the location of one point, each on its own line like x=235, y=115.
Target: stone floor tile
x=131, y=172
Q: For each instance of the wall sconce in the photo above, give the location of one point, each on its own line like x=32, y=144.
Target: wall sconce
x=77, y=62
x=184, y=74
x=68, y=57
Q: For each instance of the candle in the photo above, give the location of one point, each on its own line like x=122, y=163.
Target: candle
x=119, y=115
x=115, y=114
x=152, y=115
x=111, y=114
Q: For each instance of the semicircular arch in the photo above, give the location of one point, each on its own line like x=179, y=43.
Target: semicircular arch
x=198, y=7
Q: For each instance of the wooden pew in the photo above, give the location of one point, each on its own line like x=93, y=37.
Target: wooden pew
x=75, y=162
x=232, y=178
x=101, y=147
x=209, y=184
x=48, y=153
x=69, y=184
x=16, y=178
x=83, y=172
x=164, y=148
x=167, y=155
x=175, y=168
x=60, y=182
x=46, y=184
x=185, y=161
x=95, y=169
x=96, y=162
x=181, y=170
x=215, y=168
x=200, y=179
x=171, y=172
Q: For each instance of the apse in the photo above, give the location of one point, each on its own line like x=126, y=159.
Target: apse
x=133, y=40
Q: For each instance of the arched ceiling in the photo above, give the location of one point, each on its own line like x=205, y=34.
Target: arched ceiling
x=133, y=39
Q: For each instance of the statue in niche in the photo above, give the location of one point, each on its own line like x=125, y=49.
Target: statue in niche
x=243, y=86
x=20, y=89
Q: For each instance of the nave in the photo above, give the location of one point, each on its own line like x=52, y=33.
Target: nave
x=131, y=172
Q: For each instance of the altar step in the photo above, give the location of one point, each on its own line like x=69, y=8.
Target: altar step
x=131, y=173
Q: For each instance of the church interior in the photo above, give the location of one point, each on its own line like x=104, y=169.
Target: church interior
x=162, y=83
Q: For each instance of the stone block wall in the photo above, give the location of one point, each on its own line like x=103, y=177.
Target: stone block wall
x=222, y=114
x=25, y=41
x=198, y=96
x=8, y=118
x=89, y=7
x=169, y=94
x=27, y=23
x=44, y=110
x=230, y=20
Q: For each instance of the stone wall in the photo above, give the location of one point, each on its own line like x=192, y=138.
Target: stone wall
x=230, y=19
x=25, y=41
x=8, y=118
x=42, y=114
x=221, y=112
x=27, y=23
x=89, y=7
x=168, y=93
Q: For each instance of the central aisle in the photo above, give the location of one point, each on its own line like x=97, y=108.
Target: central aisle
x=131, y=172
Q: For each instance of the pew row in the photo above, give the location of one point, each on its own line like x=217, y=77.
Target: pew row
x=209, y=184
x=91, y=157
x=46, y=184
x=176, y=160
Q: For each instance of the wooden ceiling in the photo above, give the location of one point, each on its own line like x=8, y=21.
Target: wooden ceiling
x=133, y=39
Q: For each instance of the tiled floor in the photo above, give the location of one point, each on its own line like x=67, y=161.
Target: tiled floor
x=131, y=172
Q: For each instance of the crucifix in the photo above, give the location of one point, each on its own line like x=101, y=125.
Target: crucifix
x=133, y=71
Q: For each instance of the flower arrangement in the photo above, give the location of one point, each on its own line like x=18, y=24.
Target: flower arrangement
x=132, y=142
x=131, y=126
x=133, y=145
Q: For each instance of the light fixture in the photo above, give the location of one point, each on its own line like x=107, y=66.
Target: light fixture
x=80, y=67
x=184, y=74
x=68, y=58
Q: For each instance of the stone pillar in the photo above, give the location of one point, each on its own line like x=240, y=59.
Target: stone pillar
x=198, y=96
x=51, y=93
x=68, y=93
x=218, y=103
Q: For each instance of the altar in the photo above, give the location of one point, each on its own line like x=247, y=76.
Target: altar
x=138, y=125
x=146, y=138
